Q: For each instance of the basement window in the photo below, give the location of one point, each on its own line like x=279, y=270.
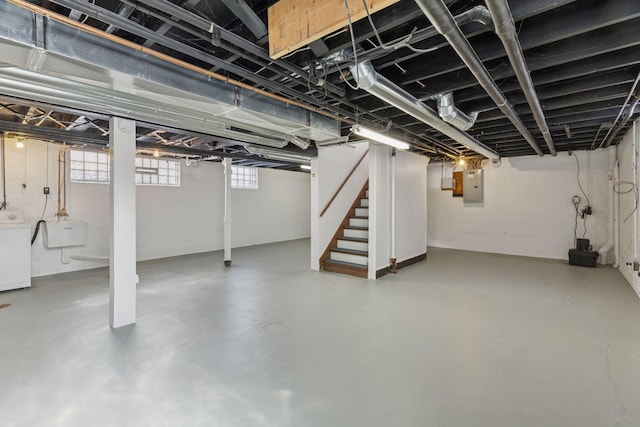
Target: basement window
x=93, y=167
x=89, y=166
x=157, y=172
x=244, y=178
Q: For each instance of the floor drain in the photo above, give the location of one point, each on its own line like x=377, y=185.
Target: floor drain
x=4, y=305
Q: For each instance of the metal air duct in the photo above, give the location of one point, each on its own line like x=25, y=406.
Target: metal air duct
x=444, y=22
x=505, y=28
x=451, y=114
x=368, y=79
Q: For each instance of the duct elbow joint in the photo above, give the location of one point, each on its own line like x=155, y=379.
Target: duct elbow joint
x=451, y=114
x=481, y=15
x=364, y=74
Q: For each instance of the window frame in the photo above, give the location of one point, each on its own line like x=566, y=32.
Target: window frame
x=244, y=178
x=147, y=167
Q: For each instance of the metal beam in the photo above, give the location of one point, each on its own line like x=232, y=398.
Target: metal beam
x=249, y=18
x=471, y=100
x=576, y=64
x=539, y=31
x=54, y=134
x=166, y=26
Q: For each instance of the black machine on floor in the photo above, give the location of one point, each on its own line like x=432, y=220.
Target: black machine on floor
x=583, y=254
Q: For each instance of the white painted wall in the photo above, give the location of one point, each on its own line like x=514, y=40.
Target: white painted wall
x=278, y=211
x=411, y=206
x=411, y=200
x=328, y=171
x=379, y=207
x=628, y=239
x=527, y=207
x=171, y=220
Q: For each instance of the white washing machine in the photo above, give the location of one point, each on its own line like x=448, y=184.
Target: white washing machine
x=15, y=251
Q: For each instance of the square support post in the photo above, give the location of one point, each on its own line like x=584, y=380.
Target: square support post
x=122, y=256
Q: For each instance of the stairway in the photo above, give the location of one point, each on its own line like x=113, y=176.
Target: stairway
x=348, y=252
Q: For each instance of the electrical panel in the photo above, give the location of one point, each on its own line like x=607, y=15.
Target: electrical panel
x=63, y=234
x=473, y=186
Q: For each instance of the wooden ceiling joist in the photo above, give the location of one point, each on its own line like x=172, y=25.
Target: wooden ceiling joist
x=296, y=23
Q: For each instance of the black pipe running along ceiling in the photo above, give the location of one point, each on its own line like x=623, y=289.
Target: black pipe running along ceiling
x=583, y=59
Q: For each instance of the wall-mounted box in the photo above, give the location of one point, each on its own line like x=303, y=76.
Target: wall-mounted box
x=63, y=234
x=458, y=184
x=473, y=186
x=446, y=184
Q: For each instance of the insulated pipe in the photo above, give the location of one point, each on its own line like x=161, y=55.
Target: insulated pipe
x=625, y=119
x=606, y=248
x=227, y=211
x=505, y=28
x=478, y=14
x=606, y=141
x=445, y=23
x=105, y=15
x=178, y=12
x=451, y=114
x=368, y=79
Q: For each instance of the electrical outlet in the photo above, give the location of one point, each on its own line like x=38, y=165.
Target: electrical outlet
x=46, y=190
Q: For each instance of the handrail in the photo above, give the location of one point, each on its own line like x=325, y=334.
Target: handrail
x=344, y=183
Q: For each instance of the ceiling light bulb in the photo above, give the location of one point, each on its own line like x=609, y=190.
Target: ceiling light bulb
x=156, y=153
x=19, y=144
x=305, y=167
x=379, y=137
x=461, y=162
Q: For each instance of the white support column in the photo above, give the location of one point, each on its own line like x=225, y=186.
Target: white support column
x=227, y=211
x=393, y=266
x=122, y=256
x=315, y=214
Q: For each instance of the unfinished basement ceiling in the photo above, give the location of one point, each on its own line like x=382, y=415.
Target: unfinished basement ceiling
x=583, y=58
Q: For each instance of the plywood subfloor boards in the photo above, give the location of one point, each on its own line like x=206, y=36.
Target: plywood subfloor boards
x=461, y=339
x=296, y=23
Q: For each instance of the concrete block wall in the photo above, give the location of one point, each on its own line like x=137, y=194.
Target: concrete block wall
x=629, y=247
x=527, y=208
x=171, y=221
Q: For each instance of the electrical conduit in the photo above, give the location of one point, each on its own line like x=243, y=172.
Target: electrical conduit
x=438, y=13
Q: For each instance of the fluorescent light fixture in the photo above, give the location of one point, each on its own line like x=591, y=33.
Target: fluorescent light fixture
x=305, y=167
x=378, y=137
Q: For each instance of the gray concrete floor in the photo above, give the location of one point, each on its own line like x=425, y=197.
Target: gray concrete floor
x=463, y=339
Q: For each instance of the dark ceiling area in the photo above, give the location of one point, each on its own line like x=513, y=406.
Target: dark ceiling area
x=583, y=59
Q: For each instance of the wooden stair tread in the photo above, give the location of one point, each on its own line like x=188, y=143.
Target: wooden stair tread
x=355, y=239
x=359, y=217
x=350, y=251
x=355, y=227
